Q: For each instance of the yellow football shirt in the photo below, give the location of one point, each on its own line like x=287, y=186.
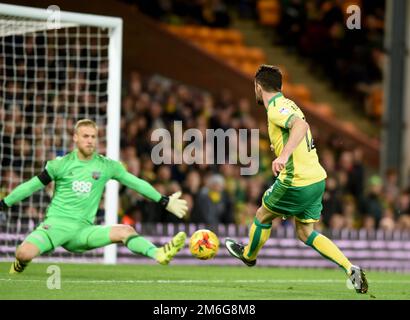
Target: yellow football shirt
x=303, y=167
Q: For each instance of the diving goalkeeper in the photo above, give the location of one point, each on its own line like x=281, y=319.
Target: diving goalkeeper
x=80, y=178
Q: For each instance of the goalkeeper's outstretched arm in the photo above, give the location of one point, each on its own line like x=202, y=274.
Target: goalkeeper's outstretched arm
x=26, y=189
x=172, y=203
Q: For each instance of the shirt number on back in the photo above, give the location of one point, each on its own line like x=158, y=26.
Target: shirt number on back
x=310, y=143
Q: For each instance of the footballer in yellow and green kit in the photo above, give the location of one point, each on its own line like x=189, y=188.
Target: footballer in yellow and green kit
x=299, y=188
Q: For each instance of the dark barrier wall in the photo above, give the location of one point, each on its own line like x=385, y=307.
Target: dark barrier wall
x=150, y=49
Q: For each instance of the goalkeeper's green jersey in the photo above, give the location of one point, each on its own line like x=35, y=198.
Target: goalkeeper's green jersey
x=79, y=185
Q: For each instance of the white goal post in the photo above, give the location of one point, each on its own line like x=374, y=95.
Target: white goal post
x=21, y=20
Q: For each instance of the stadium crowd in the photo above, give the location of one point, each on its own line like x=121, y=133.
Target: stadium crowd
x=354, y=198
x=352, y=59
x=215, y=193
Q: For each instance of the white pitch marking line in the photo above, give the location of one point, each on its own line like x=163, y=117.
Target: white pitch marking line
x=204, y=281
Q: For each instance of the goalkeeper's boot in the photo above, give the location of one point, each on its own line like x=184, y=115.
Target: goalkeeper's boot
x=358, y=279
x=17, y=267
x=236, y=249
x=167, y=252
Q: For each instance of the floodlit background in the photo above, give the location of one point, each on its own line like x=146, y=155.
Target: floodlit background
x=194, y=61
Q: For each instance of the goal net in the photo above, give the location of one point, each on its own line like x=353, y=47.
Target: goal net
x=55, y=68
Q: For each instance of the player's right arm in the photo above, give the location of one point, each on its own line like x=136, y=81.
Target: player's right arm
x=287, y=118
x=298, y=128
x=26, y=189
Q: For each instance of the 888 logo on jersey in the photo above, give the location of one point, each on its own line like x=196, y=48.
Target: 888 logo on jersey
x=81, y=187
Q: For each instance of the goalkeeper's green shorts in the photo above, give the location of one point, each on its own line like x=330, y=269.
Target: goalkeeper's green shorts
x=72, y=236
x=304, y=203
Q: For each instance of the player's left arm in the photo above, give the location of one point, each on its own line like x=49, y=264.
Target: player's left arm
x=26, y=189
x=172, y=203
x=298, y=128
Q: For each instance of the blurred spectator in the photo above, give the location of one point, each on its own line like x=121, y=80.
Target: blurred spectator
x=290, y=28
x=387, y=221
x=357, y=175
x=192, y=183
x=331, y=201
x=213, y=204
x=403, y=210
x=373, y=204
x=391, y=186
x=350, y=212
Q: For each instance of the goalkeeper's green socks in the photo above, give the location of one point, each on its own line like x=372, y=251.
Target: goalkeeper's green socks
x=258, y=235
x=18, y=267
x=138, y=244
x=329, y=250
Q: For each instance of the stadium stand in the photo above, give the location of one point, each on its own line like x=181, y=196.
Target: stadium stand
x=155, y=101
x=359, y=205
x=351, y=59
x=346, y=205
x=224, y=43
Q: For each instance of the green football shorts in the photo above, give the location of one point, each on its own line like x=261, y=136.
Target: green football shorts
x=304, y=203
x=72, y=236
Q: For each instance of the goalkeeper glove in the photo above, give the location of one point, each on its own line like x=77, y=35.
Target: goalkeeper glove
x=175, y=205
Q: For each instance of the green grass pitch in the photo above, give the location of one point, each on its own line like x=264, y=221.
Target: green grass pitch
x=173, y=282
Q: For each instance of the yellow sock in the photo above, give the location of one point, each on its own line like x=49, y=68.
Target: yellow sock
x=329, y=250
x=258, y=235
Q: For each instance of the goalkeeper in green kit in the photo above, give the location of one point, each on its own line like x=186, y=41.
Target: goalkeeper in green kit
x=80, y=178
